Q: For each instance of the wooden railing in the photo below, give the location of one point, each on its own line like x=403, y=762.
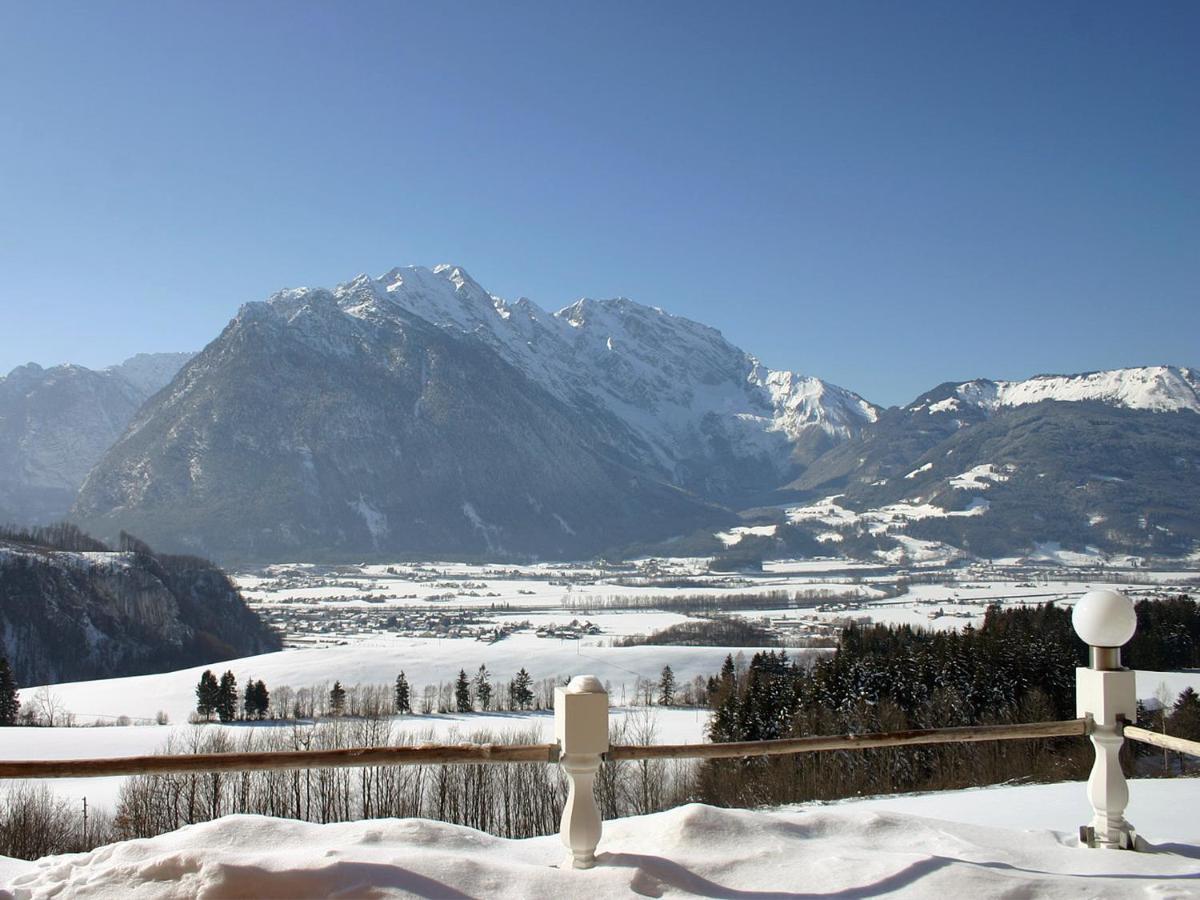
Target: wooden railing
x=1165, y=741
x=1104, y=700
x=354, y=757
x=817, y=744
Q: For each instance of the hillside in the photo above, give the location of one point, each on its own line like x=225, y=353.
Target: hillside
x=67, y=615
x=1106, y=460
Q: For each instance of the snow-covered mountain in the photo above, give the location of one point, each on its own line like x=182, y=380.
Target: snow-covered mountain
x=1155, y=388
x=1102, y=460
x=56, y=423
x=341, y=423
x=670, y=393
x=416, y=412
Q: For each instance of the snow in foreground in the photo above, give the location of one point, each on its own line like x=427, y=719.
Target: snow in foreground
x=853, y=849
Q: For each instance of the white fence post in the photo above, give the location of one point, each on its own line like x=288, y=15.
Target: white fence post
x=1106, y=620
x=581, y=727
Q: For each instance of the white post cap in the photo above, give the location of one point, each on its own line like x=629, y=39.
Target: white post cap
x=1104, y=618
x=585, y=684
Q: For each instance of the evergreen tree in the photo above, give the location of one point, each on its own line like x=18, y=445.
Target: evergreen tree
x=337, y=698
x=520, y=695
x=10, y=702
x=261, y=698
x=207, y=693
x=483, y=688
x=462, y=692
x=666, y=687
x=403, y=700
x=729, y=672
x=249, y=701
x=227, y=698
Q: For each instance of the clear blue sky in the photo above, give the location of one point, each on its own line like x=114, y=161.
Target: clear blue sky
x=886, y=195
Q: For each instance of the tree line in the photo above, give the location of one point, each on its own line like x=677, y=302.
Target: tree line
x=475, y=693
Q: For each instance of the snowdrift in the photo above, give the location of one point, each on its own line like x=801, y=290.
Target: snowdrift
x=856, y=849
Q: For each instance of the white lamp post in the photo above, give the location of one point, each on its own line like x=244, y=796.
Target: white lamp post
x=1106, y=692
x=581, y=726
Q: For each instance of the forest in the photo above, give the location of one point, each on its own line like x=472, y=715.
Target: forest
x=1019, y=666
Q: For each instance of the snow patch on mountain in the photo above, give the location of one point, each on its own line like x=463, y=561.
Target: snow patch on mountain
x=878, y=521
x=1052, y=551
x=733, y=536
x=491, y=533
x=376, y=522
x=980, y=478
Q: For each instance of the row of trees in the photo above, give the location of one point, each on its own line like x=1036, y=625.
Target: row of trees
x=512, y=800
x=707, y=604
x=466, y=694
x=470, y=693
x=220, y=697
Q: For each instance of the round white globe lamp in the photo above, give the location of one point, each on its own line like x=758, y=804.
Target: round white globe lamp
x=1105, y=620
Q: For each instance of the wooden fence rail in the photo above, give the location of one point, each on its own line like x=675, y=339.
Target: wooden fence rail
x=1166, y=741
x=970, y=734
x=441, y=754
x=293, y=759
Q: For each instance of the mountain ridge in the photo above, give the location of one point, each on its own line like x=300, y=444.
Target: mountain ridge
x=419, y=380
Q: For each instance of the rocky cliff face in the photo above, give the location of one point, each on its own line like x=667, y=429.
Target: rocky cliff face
x=70, y=616
x=56, y=423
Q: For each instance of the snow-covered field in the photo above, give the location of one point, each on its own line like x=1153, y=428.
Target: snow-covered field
x=999, y=842
x=349, y=601
x=424, y=661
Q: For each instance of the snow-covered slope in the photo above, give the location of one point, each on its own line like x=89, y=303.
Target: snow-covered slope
x=1156, y=388
x=847, y=850
x=664, y=389
x=1104, y=460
